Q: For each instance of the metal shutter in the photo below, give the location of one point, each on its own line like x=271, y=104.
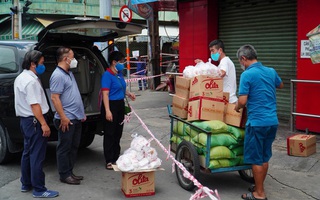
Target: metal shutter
x=270, y=26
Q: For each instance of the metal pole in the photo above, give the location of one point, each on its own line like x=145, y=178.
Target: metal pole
x=105, y=9
x=84, y=8
x=105, y=13
x=293, y=114
x=292, y=105
x=15, y=31
x=150, y=69
x=128, y=60
x=20, y=20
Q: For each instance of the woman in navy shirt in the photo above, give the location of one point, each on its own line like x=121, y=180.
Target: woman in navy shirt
x=113, y=88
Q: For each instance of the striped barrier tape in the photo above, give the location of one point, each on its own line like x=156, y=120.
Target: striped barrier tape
x=142, y=78
x=202, y=191
x=138, y=72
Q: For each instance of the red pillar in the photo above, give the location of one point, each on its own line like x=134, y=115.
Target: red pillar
x=198, y=26
x=307, y=95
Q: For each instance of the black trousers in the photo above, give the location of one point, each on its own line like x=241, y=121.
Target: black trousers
x=112, y=130
x=67, y=147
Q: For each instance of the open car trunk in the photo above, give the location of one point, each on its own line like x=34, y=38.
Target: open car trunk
x=80, y=34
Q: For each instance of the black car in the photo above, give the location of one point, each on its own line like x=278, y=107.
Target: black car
x=78, y=34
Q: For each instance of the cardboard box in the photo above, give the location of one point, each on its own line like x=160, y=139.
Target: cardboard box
x=180, y=107
x=135, y=184
x=301, y=145
x=206, y=86
x=205, y=109
x=234, y=118
x=182, y=87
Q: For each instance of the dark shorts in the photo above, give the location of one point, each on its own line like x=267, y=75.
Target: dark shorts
x=258, y=144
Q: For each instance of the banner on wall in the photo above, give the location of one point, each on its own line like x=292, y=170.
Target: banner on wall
x=314, y=38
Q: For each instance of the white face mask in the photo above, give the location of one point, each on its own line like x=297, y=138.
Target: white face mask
x=73, y=63
x=243, y=67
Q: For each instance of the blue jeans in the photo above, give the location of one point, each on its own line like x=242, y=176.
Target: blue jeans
x=144, y=83
x=33, y=156
x=67, y=148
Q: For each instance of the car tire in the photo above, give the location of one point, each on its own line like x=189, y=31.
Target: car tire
x=4, y=150
x=86, y=139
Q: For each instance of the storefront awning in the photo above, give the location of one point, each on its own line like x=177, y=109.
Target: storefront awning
x=45, y=21
x=30, y=31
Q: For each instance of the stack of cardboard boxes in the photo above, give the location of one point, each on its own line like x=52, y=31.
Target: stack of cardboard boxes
x=202, y=98
x=206, y=99
x=181, y=98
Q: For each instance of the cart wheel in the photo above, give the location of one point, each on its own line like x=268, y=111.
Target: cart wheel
x=188, y=156
x=247, y=175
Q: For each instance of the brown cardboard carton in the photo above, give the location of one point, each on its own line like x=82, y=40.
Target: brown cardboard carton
x=180, y=107
x=182, y=87
x=206, y=86
x=137, y=184
x=140, y=183
x=205, y=109
x=301, y=145
x=234, y=118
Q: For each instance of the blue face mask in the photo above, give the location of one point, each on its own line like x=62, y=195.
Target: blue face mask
x=119, y=67
x=40, y=69
x=215, y=56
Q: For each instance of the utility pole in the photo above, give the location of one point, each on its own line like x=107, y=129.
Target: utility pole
x=105, y=9
x=155, y=48
x=16, y=12
x=105, y=13
x=16, y=30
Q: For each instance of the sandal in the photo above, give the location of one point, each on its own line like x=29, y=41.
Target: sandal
x=109, y=166
x=249, y=196
x=252, y=188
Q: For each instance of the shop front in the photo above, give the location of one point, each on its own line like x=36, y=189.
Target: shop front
x=275, y=28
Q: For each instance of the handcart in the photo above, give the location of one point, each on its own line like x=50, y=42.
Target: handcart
x=187, y=154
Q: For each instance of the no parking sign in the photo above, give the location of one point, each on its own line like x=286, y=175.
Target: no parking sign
x=125, y=14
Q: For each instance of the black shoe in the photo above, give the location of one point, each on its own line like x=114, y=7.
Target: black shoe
x=70, y=181
x=77, y=177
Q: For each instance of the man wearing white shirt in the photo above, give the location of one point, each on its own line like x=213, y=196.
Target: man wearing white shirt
x=226, y=68
x=31, y=106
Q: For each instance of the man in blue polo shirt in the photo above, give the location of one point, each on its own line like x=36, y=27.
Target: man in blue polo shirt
x=257, y=90
x=70, y=113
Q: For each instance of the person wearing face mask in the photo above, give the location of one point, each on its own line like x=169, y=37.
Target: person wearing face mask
x=113, y=90
x=70, y=114
x=257, y=91
x=226, y=67
x=31, y=106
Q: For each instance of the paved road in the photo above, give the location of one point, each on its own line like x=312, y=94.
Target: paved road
x=289, y=177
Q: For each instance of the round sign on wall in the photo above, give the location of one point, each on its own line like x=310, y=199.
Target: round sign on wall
x=125, y=14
